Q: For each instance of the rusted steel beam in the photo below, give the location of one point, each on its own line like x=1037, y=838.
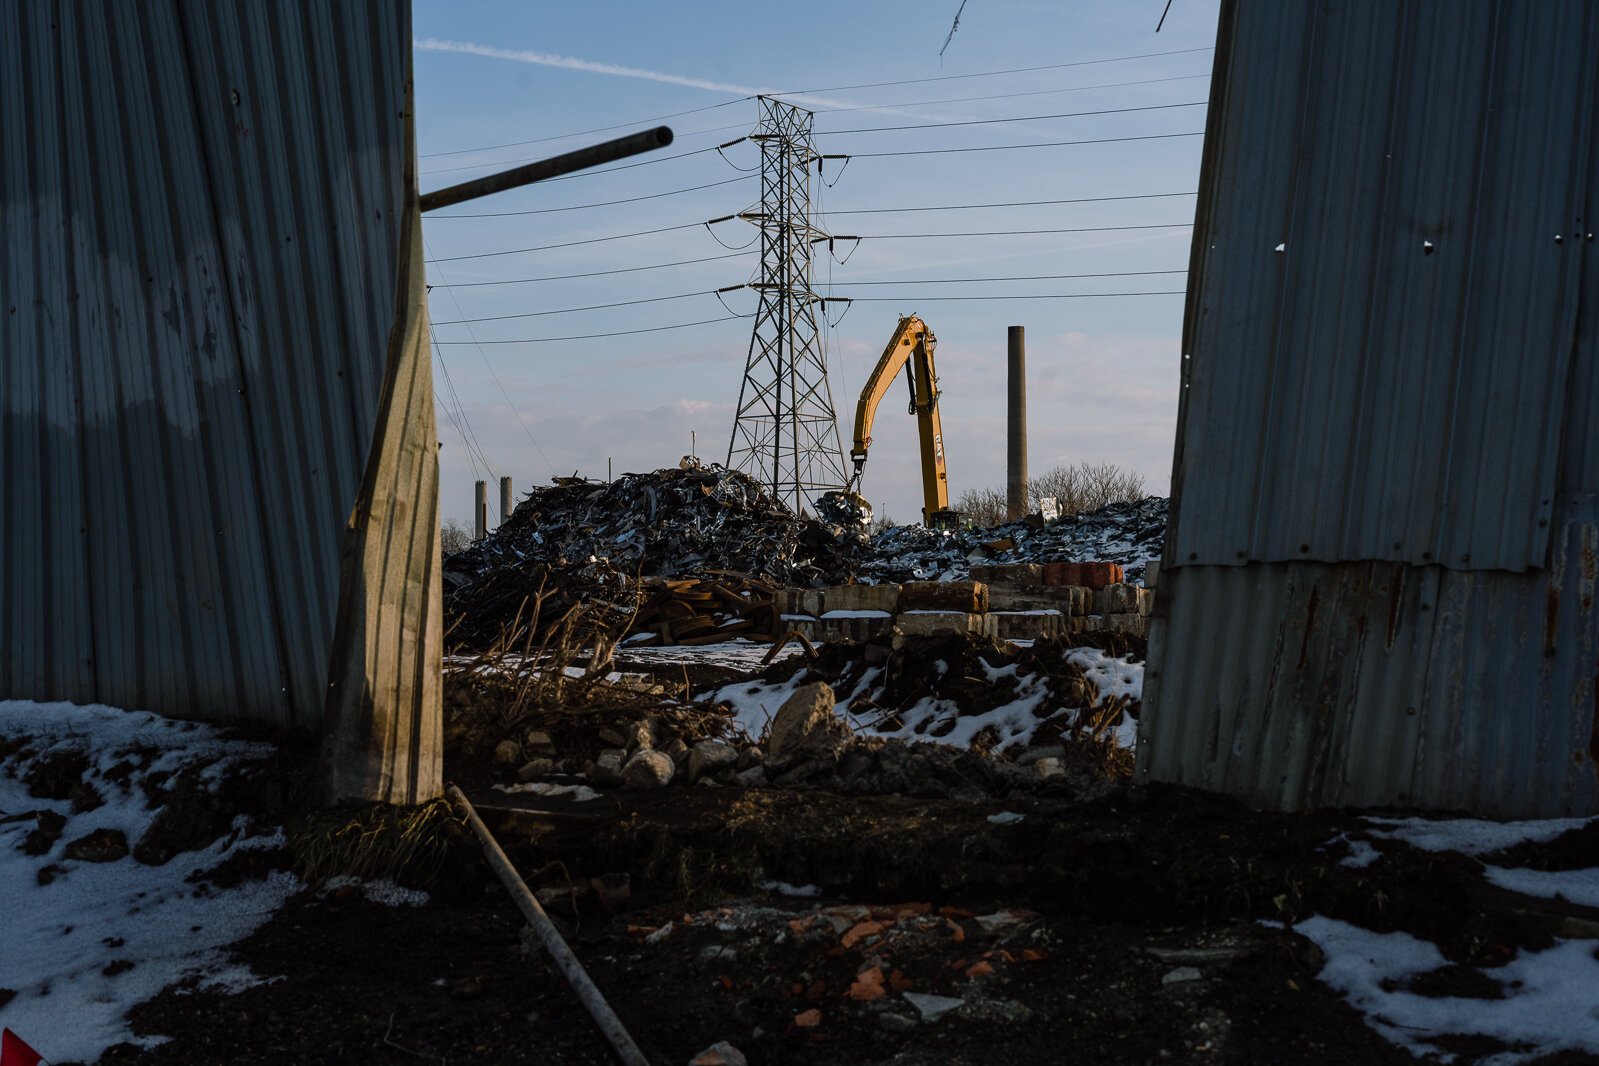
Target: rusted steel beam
x=554, y=167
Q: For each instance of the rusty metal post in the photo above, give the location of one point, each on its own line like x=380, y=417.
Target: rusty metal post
x=506, y=506
x=480, y=509
x=554, y=167
x=1016, y=436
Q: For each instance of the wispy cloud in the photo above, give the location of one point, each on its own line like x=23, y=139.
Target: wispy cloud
x=549, y=59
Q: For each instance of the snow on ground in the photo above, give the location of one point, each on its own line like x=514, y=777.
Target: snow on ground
x=1470, y=836
x=755, y=703
x=68, y=943
x=1550, y=1004
x=1574, y=886
x=736, y=653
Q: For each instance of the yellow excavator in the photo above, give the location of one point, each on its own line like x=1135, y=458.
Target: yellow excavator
x=911, y=347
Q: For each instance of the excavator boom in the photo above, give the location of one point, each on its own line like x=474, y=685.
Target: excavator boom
x=911, y=348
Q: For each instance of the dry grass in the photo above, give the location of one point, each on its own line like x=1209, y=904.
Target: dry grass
x=407, y=845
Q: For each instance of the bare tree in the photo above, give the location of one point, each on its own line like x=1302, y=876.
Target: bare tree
x=454, y=537
x=1076, y=489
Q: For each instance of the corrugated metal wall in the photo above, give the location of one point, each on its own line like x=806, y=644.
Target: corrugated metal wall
x=1385, y=282
x=200, y=206
x=1379, y=579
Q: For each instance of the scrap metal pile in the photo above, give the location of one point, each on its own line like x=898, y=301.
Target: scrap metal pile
x=584, y=541
x=1126, y=533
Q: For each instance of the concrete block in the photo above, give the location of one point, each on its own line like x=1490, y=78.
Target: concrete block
x=943, y=623
x=1151, y=573
x=1116, y=599
x=1019, y=597
x=960, y=596
x=858, y=627
x=1026, y=625
x=1133, y=624
x=861, y=598
x=1008, y=573
x=1146, y=602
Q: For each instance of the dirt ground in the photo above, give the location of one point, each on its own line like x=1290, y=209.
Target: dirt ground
x=1121, y=924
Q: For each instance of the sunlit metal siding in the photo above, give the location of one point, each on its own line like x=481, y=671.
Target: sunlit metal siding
x=199, y=206
x=1356, y=396
x=1301, y=685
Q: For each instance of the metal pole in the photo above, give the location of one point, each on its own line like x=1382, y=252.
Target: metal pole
x=587, y=993
x=544, y=169
x=480, y=509
x=1016, y=437
x=506, y=506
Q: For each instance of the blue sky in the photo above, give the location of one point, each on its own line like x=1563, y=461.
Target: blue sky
x=1102, y=370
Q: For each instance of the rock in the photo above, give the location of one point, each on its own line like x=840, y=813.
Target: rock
x=102, y=845
x=749, y=757
x=612, y=737
x=538, y=740
x=931, y=1007
x=507, y=753
x=713, y=952
x=896, y=1023
x=648, y=769
x=535, y=768
x=754, y=777
x=1182, y=975
x=607, y=768
x=675, y=750
x=720, y=1053
x=806, y=728
x=1049, y=767
x=710, y=756
x=641, y=736
x=1029, y=756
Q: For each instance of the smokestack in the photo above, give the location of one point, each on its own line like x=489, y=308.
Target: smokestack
x=480, y=510
x=1016, y=438
x=506, y=506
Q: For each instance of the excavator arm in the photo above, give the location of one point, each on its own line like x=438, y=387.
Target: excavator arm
x=910, y=348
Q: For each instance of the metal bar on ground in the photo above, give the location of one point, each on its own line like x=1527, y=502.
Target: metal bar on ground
x=554, y=167
x=587, y=993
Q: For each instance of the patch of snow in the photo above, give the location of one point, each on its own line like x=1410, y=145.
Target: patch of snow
x=383, y=891
x=1109, y=675
x=856, y=614
x=783, y=888
x=1005, y=818
x=1470, y=836
x=1361, y=853
x=1549, y=1002
x=1575, y=886
x=550, y=789
x=61, y=937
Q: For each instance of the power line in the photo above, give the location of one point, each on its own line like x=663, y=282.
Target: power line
x=570, y=310
x=1022, y=118
x=1013, y=203
x=468, y=436
x=1009, y=96
x=579, y=174
x=490, y=367
x=1024, y=277
x=584, y=133
x=1012, y=147
x=992, y=73
x=568, y=244
x=620, y=333
x=1047, y=296
x=1009, y=232
x=590, y=274
x=584, y=207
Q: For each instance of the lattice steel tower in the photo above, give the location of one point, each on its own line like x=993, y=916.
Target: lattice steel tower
x=786, y=434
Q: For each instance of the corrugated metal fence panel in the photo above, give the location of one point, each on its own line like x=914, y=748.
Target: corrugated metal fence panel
x=1370, y=684
x=199, y=206
x=1381, y=321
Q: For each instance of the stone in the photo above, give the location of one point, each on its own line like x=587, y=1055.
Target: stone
x=1044, y=751
x=709, y=756
x=1116, y=599
x=507, y=753
x=749, y=758
x=805, y=726
x=754, y=777
x=607, y=767
x=677, y=751
x=720, y=1053
x=535, y=768
x=1049, y=766
x=648, y=769
x=931, y=1007
x=641, y=736
x=965, y=597
x=102, y=845
x=896, y=1023
x=612, y=737
x=1182, y=975
x=539, y=740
